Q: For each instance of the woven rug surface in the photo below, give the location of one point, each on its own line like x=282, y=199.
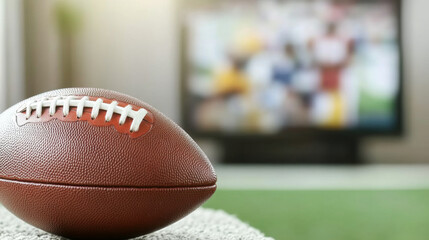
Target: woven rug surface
x=201, y=224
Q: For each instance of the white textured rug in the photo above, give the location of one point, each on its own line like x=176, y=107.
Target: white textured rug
x=202, y=224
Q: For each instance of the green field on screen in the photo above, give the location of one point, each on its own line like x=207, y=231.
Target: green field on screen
x=330, y=215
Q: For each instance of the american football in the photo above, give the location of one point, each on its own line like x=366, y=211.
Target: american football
x=97, y=164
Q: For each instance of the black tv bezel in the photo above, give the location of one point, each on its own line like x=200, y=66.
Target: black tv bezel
x=291, y=132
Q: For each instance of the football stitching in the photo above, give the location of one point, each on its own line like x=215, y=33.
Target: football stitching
x=84, y=102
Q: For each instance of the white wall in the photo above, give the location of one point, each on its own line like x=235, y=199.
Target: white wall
x=129, y=46
x=42, y=68
x=15, y=89
x=11, y=53
x=138, y=49
x=3, y=103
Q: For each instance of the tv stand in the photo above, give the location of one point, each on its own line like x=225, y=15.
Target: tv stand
x=304, y=150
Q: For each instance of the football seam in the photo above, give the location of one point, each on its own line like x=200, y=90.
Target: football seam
x=70, y=101
x=101, y=186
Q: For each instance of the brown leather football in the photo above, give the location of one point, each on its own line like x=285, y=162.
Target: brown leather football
x=97, y=164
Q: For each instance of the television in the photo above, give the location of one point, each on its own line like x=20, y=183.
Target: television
x=269, y=69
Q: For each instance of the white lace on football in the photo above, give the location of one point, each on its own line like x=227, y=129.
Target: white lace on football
x=84, y=102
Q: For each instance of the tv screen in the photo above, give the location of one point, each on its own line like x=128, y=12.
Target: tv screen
x=260, y=66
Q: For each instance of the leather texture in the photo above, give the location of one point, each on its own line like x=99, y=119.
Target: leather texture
x=97, y=178
x=99, y=213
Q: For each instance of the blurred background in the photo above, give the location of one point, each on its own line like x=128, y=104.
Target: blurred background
x=313, y=112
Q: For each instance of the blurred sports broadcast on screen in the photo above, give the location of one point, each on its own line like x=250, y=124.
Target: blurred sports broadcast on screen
x=267, y=66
